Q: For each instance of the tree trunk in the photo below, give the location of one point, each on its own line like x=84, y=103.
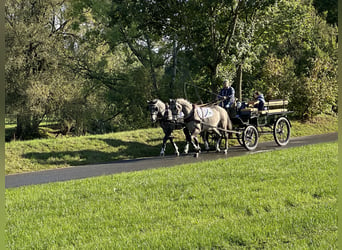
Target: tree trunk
x=27, y=126
x=239, y=83
x=152, y=71
x=174, y=67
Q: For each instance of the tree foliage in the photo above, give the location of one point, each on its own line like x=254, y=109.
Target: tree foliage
x=297, y=39
x=92, y=65
x=36, y=84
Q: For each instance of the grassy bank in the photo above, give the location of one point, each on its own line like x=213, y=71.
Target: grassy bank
x=284, y=199
x=34, y=155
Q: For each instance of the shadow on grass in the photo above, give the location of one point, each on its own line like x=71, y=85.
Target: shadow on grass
x=117, y=150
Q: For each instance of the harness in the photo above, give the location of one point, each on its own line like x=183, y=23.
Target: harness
x=191, y=115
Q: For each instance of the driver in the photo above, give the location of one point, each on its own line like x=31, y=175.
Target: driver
x=227, y=94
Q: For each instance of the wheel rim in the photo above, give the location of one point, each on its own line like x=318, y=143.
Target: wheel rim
x=250, y=138
x=281, y=131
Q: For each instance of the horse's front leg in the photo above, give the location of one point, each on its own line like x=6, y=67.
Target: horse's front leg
x=162, y=152
x=168, y=131
x=195, y=143
x=174, y=145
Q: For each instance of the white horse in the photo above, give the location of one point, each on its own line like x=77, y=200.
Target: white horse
x=206, y=119
x=160, y=112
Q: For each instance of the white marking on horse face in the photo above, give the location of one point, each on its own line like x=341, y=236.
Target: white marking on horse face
x=153, y=117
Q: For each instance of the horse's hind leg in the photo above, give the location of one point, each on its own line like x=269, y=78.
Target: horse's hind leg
x=219, y=138
x=226, y=136
x=205, y=137
x=188, y=140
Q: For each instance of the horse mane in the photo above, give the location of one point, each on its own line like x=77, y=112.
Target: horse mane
x=184, y=101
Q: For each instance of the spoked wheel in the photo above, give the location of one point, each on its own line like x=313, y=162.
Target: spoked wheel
x=250, y=138
x=281, y=131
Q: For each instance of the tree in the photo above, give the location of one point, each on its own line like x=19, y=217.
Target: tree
x=35, y=82
x=297, y=39
x=207, y=29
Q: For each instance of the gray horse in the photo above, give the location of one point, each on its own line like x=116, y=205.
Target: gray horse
x=159, y=112
x=206, y=119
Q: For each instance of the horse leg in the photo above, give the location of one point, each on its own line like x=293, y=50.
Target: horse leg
x=205, y=140
x=195, y=143
x=218, y=142
x=225, y=136
x=188, y=140
x=162, y=152
x=174, y=145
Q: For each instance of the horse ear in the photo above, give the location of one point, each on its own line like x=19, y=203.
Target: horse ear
x=152, y=101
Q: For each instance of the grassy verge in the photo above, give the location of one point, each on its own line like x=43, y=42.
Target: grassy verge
x=34, y=155
x=286, y=199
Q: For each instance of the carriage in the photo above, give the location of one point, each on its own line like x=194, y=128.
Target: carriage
x=246, y=124
x=249, y=123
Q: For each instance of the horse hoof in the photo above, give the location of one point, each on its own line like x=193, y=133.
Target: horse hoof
x=225, y=151
x=177, y=153
x=196, y=155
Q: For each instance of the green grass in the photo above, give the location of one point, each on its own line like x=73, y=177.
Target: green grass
x=284, y=199
x=34, y=155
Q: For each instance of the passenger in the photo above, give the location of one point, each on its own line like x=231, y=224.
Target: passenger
x=259, y=101
x=227, y=94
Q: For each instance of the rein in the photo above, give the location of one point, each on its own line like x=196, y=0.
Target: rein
x=210, y=103
x=205, y=90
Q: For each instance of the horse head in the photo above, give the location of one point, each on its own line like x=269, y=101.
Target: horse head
x=175, y=108
x=156, y=108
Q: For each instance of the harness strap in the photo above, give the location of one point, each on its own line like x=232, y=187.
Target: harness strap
x=191, y=116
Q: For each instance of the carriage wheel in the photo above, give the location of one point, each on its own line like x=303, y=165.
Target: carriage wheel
x=250, y=138
x=281, y=131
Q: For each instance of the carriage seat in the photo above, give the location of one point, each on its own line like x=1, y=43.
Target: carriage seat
x=275, y=106
x=279, y=102
x=271, y=107
x=272, y=111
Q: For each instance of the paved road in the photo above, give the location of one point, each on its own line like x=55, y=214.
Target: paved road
x=80, y=172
